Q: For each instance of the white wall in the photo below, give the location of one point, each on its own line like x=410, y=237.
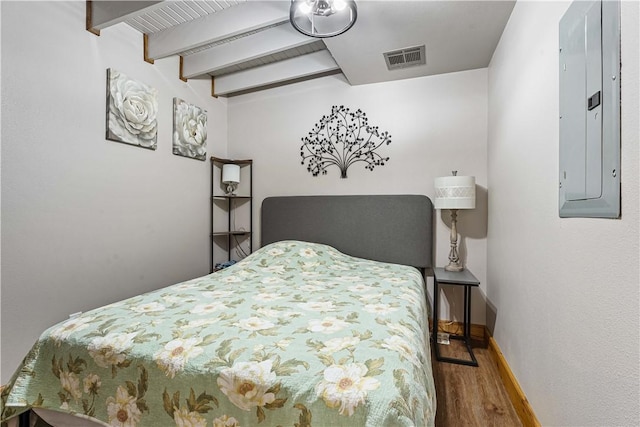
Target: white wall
x=0, y=194
x=564, y=292
x=86, y=221
x=437, y=124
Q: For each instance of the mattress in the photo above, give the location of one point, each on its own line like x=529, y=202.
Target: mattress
x=295, y=334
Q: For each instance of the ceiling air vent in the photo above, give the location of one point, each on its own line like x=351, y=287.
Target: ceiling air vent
x=404, y=58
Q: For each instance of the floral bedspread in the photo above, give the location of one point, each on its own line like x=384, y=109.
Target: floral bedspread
x=297, y=334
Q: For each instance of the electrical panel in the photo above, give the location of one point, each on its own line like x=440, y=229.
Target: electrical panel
x=589, y=60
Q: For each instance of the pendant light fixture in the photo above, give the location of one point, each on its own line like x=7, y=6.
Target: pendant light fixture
x=323, y=18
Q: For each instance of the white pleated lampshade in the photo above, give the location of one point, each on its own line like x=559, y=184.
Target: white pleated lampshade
x=455, y=192
x=230, y=174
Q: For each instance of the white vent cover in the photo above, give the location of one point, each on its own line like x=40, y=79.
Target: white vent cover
x=404, y=58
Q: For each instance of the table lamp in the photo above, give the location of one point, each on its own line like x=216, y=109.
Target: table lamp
x=231, y=177
x=455, y=192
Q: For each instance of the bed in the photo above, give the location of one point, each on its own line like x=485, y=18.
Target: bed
x=325, y=325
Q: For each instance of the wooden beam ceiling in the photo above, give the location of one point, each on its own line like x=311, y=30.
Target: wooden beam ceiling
x=268, y=42
x=306, y=66
x=226, y=24
x=103, y=14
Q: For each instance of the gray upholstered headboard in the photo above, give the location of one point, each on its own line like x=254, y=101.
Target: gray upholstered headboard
x=394, y=228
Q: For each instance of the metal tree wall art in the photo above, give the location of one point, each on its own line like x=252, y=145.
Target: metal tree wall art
x=343, y=138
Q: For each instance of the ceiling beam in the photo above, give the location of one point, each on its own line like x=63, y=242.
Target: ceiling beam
x=267, y=42
x=103, y=14
x=300, y=67
x=285, y=83
x=231, y=22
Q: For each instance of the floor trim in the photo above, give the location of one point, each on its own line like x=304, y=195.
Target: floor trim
x=518, y=399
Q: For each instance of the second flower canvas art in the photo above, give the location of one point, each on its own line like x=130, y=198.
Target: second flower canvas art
x=189, y=130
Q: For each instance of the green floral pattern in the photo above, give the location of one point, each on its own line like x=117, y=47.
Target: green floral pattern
x=297, y=334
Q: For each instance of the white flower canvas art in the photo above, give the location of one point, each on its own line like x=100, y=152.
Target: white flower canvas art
x=189, y=130
x=132, y=109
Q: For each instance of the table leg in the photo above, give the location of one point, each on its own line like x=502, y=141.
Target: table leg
x=467, y=312
x=467, y=324
x=436, y=294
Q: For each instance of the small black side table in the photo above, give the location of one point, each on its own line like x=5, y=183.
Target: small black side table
x=461, y=278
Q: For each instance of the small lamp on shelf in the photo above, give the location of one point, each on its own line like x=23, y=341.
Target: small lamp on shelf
x=231, y=177
x=455, y=192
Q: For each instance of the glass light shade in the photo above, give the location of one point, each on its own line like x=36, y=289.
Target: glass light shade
x=455, y=192
x=339, y=4
x=305, y=7
x=323, y=18
x=230, y=174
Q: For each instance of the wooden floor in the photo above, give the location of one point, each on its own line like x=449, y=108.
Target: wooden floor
x=470, y=396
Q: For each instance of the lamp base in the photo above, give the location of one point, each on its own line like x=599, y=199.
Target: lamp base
x=231, y=189
x=454, y=258
x=453, y=267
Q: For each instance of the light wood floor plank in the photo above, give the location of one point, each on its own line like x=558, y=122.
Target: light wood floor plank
x=469, y=396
